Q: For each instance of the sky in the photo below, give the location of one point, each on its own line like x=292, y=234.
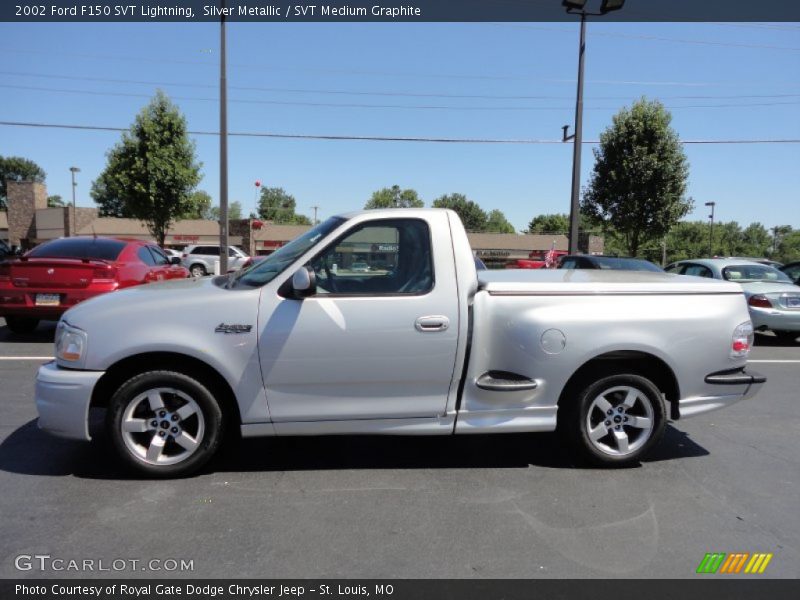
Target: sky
x=721, y=81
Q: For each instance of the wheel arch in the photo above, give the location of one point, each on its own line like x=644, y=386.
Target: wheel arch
x=130, y=366
x=626, y=361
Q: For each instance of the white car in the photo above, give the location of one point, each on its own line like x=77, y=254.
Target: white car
x=200, y=258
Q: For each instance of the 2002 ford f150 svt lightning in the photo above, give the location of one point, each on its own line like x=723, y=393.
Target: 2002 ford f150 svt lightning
x=420, y=343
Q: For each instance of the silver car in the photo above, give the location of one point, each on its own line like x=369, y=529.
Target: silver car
x=773, y=300
x=200, y=258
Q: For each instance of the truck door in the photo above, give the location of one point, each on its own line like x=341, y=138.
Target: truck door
x=377, y=340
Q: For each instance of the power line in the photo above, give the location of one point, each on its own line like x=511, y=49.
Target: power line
x=378, y=93
x=327, y=70
x=381, y=138
x=381, y=106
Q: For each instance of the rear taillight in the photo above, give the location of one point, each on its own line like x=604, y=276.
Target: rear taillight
x=5, y=273
x=742, y=341
x=184, y=255
x=104, y=273
x=759, y=301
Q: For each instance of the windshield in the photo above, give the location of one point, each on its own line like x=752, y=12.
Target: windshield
x=625, y=264
x=754, y=273
x=266, y=270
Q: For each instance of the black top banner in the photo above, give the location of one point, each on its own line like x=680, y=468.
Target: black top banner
x=392, y=10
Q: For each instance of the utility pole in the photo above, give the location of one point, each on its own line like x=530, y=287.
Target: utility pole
x=577, y=7
x=315, y=213
x=575, y=203
x=74, y=225
x=223, y=152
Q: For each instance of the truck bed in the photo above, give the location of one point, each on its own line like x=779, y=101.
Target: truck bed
x=597, y=282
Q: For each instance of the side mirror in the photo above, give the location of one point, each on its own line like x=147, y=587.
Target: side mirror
x=304, y=283
x=175, y=260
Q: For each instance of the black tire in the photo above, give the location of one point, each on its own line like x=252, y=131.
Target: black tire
x=582, y=419
x=22, y=324
x=204, y=426
x=787, y=336
x=198, y=270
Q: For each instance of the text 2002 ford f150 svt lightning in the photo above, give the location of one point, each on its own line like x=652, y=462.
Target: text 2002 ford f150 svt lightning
x=419, y=344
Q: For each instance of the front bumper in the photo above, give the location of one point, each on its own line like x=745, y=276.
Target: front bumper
x=62, y=399
x=739, y=385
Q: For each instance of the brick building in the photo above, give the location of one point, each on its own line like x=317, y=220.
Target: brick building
x=29, y=222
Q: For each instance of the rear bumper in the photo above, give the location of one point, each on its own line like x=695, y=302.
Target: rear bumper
x=736, y=383
x=62, y=399
x=775, y=319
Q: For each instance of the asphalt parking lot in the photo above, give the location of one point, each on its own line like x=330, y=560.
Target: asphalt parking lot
x=474, y=507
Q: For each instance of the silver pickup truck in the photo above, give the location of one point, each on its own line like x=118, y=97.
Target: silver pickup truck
x=421, y=343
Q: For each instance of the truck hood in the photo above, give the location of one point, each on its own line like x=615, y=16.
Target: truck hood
x=153, y=298
x=183, y=316
x=598, y=281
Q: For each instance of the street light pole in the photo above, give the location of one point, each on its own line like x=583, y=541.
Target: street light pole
x=223, y=152
x=711, y=230
x=577, y=7
x=315, y=213
x=73, y=225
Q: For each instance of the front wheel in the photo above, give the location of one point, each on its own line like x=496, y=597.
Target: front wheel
x=198, y=271
x=616, y=420
x=164, y=423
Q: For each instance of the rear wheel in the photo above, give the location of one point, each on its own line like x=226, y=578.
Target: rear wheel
x=164, y=423
x=615, y=420
x=198, y=271
x=22, y=324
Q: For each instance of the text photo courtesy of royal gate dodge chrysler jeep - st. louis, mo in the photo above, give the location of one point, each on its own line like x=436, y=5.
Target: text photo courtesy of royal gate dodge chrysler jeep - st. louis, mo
x=480, y=299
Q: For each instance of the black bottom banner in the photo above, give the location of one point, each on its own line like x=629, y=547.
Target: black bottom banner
x=400, y=589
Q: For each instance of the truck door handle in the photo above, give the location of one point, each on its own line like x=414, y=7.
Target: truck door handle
x=432, y=323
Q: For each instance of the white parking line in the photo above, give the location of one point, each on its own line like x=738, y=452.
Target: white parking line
x=26, y=357
x=774, y=361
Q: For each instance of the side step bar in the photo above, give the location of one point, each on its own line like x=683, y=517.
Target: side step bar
x=503, y=381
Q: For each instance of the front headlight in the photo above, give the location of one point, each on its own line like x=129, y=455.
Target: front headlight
x=71, y=344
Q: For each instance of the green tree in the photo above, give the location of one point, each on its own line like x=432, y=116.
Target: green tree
x=55, y=201
x=640, y=174
x=552, y=223
x=279, y=207
x=152, y=171
x=234, y=211
x=472, y=216
x=496, y=222
x=788, y=248
x=394, y=197
x=756, y=240
x=16, y=168
x=199, y=205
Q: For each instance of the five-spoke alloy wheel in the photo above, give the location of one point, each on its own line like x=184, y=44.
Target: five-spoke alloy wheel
x=164, y=423
x=615, y=420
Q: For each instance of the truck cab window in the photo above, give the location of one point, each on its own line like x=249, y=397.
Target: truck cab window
x=377, y=257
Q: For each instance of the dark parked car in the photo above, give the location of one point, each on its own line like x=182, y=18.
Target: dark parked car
x=59, y=274
x=792, y=270
x=615, y=263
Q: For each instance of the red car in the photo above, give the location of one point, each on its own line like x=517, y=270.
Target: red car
x=56, y=275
